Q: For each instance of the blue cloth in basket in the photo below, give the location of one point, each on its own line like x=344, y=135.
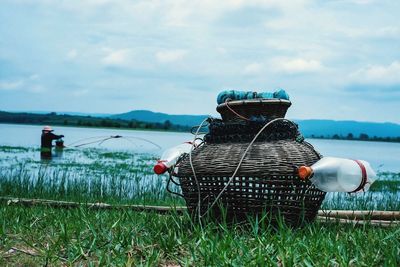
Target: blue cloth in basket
x=243, y=95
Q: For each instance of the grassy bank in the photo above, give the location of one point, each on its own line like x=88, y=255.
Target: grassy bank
x=37, y=236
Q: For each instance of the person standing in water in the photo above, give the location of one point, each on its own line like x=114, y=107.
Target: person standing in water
x=47, y=142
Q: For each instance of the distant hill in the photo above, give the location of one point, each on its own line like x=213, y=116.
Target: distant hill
x=150, y=116
x=327, y=128
x=144, y=119
x=52, y=118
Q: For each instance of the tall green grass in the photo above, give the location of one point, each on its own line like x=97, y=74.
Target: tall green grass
x=117, y=238
x=122, y=237
x=95, y=175
x=128, y=178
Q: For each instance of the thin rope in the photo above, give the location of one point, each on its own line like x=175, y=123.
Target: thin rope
x=134, y=144
x=93, y=142
x=105, y=139
x=84, y=139
x=234, y=112
x=194, y=172
x=101, y=139
x=240, y=162
x=143, y=139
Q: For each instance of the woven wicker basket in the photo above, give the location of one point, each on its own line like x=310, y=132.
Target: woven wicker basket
x=266, y=108
x=267, y=180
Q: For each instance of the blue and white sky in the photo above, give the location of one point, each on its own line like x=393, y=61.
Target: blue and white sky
x=336, y=59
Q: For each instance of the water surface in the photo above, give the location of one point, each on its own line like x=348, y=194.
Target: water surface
x=382, y=156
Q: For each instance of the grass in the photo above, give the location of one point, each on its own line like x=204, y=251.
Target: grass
x=16, y=149
x=88, y=175
x=385, y=186
x=38, y=236
x=116, y=238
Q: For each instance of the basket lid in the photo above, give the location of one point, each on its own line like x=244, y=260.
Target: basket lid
x=245, y=109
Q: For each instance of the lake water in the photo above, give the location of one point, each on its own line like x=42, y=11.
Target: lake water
x=382, y=156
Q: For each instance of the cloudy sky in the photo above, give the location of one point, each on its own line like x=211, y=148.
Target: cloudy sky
x=336, y=59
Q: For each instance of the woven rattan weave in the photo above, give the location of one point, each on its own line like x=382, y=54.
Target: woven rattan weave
x=267, y=180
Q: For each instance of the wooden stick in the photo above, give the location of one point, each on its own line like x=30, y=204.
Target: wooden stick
x=361, y=214
x=28, y=251
x=67, y=204
x=382, y=223
x=342, y=216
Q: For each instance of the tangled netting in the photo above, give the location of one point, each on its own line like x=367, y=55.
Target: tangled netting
x=244, y=131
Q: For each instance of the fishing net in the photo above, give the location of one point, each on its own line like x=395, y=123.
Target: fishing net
x=244, y=131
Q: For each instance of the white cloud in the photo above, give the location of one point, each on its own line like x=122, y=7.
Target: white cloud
x=72, y=54
x=79, y=93
x=34, y=77
x=28, y=84
x=370, y=32
x=303, y=37
x=36, y=88
x=95, y=2
x=183, y=13
x=279, y=24
x=222, y=50
x=296, y=65
x=82, y=6
x=170, y=55
x=378, y=74
x=9, y=86
x=253, y=68
x=362, y=2
x=116, y=57
x=388, y=31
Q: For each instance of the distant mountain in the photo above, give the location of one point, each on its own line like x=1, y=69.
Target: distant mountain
x=149, y=116
x=52, y=118
x=309, y=128
x=327, y=128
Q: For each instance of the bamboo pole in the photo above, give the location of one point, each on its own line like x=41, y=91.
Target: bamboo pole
x=359, y=217
x=382, y=223
x=361, y=214
x=95, y=206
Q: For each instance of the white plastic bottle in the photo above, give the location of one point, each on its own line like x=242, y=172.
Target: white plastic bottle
x=331, y=174
x=171, y=156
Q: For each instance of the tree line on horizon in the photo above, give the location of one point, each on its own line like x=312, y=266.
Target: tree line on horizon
x=85, y=121
x=88, y=121
x=360, y=137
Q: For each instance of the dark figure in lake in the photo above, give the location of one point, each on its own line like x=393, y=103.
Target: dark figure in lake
x=47, y=142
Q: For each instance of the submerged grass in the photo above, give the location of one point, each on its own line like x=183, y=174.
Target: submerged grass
x=40, y=236
x=87, y=176
x=15, y=149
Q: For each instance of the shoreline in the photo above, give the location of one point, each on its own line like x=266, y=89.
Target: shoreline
x=99, y=127
x=175, y=131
